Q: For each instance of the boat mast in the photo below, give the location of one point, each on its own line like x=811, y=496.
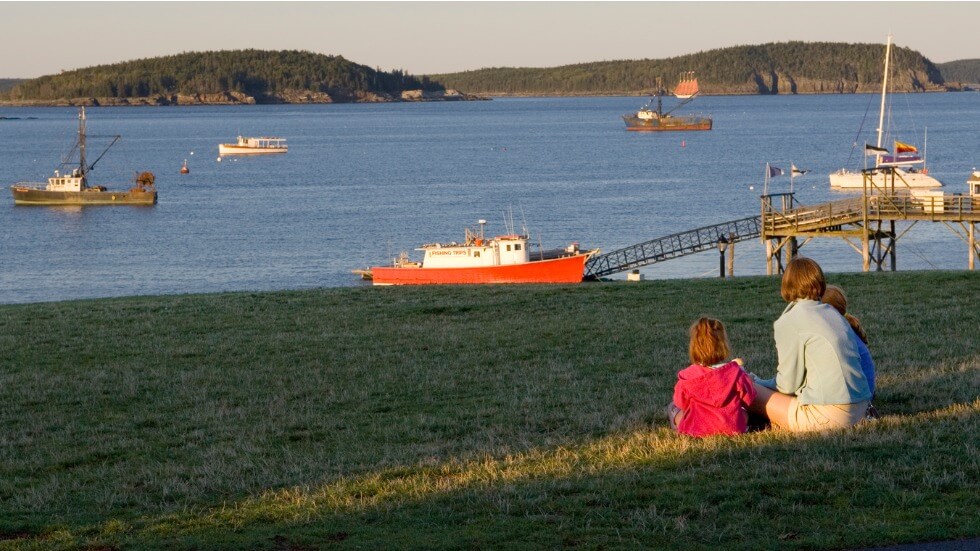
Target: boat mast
x=660, y=96
x=81, y=141
x=884, y=89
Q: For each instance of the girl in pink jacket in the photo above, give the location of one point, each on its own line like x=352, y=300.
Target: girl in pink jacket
x=711, y=395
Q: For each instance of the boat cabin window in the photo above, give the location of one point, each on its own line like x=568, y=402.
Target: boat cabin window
x=476, y=254
x=517, y=246
x=508, y=247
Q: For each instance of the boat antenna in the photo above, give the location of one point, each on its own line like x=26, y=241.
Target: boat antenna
x=509, y=220
x=925, y=146
x=524, y=222
x=81, y=140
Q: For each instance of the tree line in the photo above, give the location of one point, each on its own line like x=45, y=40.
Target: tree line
x=256, y=73
x=964, y=70
x=739, y=69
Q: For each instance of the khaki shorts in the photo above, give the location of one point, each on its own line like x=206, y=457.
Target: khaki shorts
x=815, y=417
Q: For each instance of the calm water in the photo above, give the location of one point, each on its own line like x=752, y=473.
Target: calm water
x=364, y=182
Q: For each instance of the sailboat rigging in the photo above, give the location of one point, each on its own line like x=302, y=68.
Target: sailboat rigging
x=903, y=161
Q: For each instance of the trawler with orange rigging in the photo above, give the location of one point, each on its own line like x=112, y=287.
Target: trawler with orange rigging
x=656, y=120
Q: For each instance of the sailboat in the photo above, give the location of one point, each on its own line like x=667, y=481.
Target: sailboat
x=655, y=120
x=72, y=187
x=904, y=161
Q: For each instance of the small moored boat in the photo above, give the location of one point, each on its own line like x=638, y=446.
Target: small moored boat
x=72, y=188
x=254, y=146
x=501, y=259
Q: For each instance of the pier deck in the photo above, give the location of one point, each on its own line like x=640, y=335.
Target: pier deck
x=869, y=218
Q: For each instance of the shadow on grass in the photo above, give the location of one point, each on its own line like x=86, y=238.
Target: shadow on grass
x=898, y=479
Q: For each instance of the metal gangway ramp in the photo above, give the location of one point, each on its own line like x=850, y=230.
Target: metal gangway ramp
x=672, y=246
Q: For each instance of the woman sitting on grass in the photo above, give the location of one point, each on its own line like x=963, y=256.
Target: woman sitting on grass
x=711, y=395
x=819, y=383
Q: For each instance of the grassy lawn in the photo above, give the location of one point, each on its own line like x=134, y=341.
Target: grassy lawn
x=469, y=417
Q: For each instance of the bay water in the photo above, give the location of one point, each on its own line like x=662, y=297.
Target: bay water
x=363, y=182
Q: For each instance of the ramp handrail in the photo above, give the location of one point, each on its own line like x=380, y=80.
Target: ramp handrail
x=672, y=246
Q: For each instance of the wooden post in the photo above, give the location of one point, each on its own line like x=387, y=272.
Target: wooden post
x=865, y=247
x=973, y=243
x=894, y=245
x=878, y=253
x=731, y=255
x=768, y=256
x=865, y=252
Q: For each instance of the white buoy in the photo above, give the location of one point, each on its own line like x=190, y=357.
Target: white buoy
x=751, y=188
x=219, y=159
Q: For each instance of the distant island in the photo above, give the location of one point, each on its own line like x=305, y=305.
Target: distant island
x=961, y=73
x=262, y=77
x=228, y=78
x=775, y=68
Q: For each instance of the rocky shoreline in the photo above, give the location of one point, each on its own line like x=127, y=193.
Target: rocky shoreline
x=295, y=97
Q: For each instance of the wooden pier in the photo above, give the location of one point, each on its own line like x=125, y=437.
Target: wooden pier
x=867, y=222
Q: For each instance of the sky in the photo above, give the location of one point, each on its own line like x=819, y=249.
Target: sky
x=40, y=38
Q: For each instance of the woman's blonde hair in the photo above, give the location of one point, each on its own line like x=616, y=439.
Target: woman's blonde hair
x=709, y=342
x=803, y=278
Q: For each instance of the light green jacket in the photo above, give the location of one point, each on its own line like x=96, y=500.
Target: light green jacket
x=819, y=362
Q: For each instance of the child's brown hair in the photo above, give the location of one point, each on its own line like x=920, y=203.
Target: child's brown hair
x=709, y=342
x=835, y=297
x=803, y=278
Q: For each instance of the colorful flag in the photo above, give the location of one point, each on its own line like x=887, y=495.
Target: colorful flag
x=773, y=171
x=905, y=148
x=797, y=171
x=872, y=150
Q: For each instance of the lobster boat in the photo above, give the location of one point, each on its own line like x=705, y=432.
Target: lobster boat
x=500, y=259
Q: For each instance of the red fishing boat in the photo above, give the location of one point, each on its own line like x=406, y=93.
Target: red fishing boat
x=501, y=259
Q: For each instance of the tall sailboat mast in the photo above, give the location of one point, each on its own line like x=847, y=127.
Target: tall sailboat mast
x=884, y=90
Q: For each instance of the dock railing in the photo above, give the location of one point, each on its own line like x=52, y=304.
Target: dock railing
x=672, y=246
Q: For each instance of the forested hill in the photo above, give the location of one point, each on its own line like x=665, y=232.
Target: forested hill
x=240, y=76
x=964, y=71
x=7, y=83
x=775, y=68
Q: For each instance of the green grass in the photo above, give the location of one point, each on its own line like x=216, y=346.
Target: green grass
x=473, y=417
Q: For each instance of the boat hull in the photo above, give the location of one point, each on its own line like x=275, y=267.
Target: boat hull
x=231, y=149
x=569, y=269
x=31, y=196
x=855, y=180
x=667, y=125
